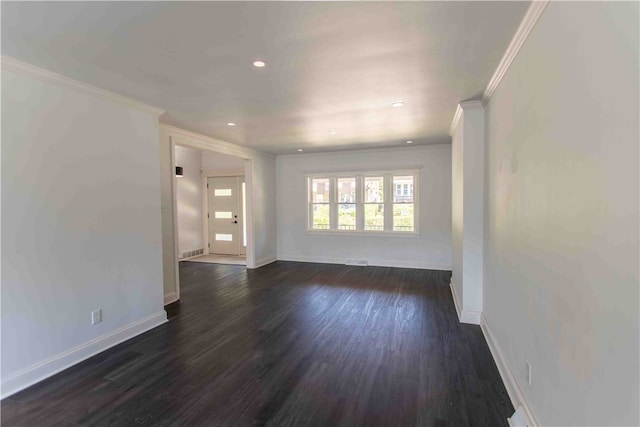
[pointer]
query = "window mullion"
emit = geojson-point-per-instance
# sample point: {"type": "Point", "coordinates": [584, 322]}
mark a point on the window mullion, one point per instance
{"type": "Point", "coordinates": [359, 203]}
{"type": "Point", "coordinates": [310, 197]}
{"type": "Point", "coordinates": [309, 204]}
{"type": "Point", "coordinates": [333, 205]}
{"type": "Point", "coordinates": [388, 205]}
{"type": "Point", "coordinates": [416, 202]}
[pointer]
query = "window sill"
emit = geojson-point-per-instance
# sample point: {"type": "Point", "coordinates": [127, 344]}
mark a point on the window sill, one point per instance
{"type": "Point", "coordinates": [406, 234]}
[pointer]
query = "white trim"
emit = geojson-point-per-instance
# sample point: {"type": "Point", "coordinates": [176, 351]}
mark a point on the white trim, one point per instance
{"type": "Point", "coordinates": [465, 105]}
{"type": "Point", "coordinates": [524, 29]}
{"type": "Point", "coordinates": [370, 262]}
{"type": "Point", "coordinates": [509, 380]}
{"type": "Point", "coordinates": [174, 207]}
{"type": "Point", "coordinates": [39, 371]}
{"type": "Point", "coordinates": [251, 228]}
{"type": "Point", "coordinates": [464, 316]}
{"type": "Point", "coordinates": [16, 66]}
{"type": "Point", "coordinates": [264, 261]}
{"type": "Point", "coordinates": [474, 104]}
{"type": "Point", "coordinates": [456, 119]}
{"type": "Point", "coordinates": [456, 300]}
{"type": "Point", "coordinates": [519, 418]}
{"type": "Point", "coordinates": [528, 22]}
{"type": "Point", "coordinates": [194, 140]}
{"type": "Point", "coordinates": [348, 173]}
{"type": "Point", "coordinates": [222, 173]}
{"type": "Point", "coordinates": [359, 151]}
{"type": "Point", "coordinates": [172, 297]}
{"type": "Point", "coordinates": [244, 240]}
{"type": "Point", "coordinates": [205, 213]}
{"type": "Point", "coordinates": [356, 233]}
{"type": "Point", "coordinates": [471, 317]}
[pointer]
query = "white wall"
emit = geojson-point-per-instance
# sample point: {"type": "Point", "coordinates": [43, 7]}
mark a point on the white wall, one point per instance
{"type": "Point", "coordinates": [457, 212]}
{"type": "Point", "coordinates": [189, 197]}
{"type": "Point", "coordinates": [468, 164]}
{"type": "Point", "coordinates": [561, 284]}
{"type": "Point", "coordinates": [474, 182]}
{"type": "Point", "coordinates": [212, 161]}
{"type": "Point", "coordinates": [80, 226]}
{"type": "Point", "coordinates": [262, 181]}
{"type": "Point", "coordinates": [432, 249]}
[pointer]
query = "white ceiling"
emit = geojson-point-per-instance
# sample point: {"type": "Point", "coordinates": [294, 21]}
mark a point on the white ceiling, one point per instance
{"type": "Point", "coordinates": [330, 66]}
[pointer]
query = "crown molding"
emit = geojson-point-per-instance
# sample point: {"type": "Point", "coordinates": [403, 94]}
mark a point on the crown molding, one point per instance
{"type": "Point", "coordinates": [385, 149]}
{"type": "Point", "coordinates": [204, 142]}
{"type": "Point", "coordinates": [19, 67]}
{"type": "Point", "coordinates": [464, 105]}
{"type": "Point", "coordinates": [528, 22]}
{"type": "Point", "coordinates": [524, 29]}
{"type": "Point", "coordinates": [474, 104]}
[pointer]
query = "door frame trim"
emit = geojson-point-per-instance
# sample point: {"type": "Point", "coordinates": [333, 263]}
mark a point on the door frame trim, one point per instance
{"type": "Point", "coordinates": [174, 207]}
{"type": "Point", "coordinates": [205, 201]}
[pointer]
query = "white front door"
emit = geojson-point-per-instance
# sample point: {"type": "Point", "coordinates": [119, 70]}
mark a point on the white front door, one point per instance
{"type": "Point", "coordinates": [225, 215]}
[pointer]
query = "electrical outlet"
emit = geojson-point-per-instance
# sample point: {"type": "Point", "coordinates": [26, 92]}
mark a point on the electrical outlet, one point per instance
{"type": "Point", "coordinates": [96, 317]}
{"type": "Point", "coordinates": [528, 372]}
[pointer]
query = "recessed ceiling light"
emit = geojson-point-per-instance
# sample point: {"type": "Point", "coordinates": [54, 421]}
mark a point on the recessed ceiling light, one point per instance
{"type": "Point", "coordinates": [259, 64]}
{"type": "Point", "coordinates": [409, 142]}
{"type": "Point", "coordinates": [397, 104]}
{"type": "Point", "coordinates": [231, 124]}
{"type": "Point", "coordinates": [300, 149]}
{"type": "Point", "coordinates": [333, 132]}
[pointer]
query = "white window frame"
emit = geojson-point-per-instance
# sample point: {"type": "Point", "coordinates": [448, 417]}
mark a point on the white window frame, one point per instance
{"type": "Point", "coordinates": [388, 193]}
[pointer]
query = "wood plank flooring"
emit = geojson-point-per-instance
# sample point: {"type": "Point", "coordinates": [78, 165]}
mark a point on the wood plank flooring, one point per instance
{"type": "Point", "coordinates": [289, 344]}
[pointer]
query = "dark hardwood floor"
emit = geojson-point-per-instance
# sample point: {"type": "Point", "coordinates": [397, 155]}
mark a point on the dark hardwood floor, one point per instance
{"type": "Point", "coordinates": [289, 344]}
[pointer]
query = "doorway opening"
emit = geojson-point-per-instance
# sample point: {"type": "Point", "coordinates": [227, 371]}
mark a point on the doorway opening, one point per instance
{"type": "Point", "coordinates": [212, 207]}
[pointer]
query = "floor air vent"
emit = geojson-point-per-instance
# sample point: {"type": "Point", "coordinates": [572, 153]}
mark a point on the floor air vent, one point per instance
{"type": "Point", "coordinates": [360, 262]}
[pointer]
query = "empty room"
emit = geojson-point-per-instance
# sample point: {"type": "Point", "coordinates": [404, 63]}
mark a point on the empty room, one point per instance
{"type": "Point", "coordinates": [320, 213]}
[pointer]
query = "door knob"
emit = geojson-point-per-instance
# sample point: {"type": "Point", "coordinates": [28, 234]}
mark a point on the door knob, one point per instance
{"type": "Point", "coordinates": [235, 222]}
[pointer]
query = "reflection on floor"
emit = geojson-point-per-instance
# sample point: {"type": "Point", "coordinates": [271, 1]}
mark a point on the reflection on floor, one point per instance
{"type": "Point", "coordinates": [220, 259]}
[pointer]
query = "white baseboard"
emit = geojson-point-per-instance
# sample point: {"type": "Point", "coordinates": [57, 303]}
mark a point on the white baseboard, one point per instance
{"type": "Point", "coordinates": [172, 297]}
{"type": "Point", "coordinates": [42, 370]}
{"type": "Point", "coordinates": [456, 301]}
{"type": "Point", "coordinates": [371, 262]}
{"type": "Point", "coordinates": [265, 261]}
{"type": "Point", "coordinates": [471, 317]}
{"type": "Point", "coordinates": [513, 388]}
{"type": "Point", "coordinates": [464, 316]}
